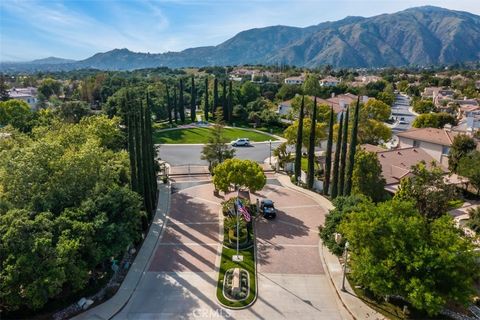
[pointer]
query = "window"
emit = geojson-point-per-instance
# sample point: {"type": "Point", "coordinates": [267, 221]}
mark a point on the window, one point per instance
{"type": "Point", "coordinates": [445, 150]}
{"type": "Point", "coordinates": [416, 144]}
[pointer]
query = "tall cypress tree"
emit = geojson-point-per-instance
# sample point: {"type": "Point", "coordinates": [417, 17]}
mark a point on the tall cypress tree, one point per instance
{"type": "Point", "coordinates": [328, 156]}
{"type": "Point", "coordinates": [169, 105]}
{"type": "Point", "coordinates": [343, 155]}
{"type": "Point", "coordinates": [175, 112]}
{"type": "Point", "coordinates": [336, 160]}
{"type": "Point", "coordinates": [138, 150]}
{"type": "Point", "coordinates": [181, 104]}
{"type": "Point", "coordinates": [224, 101]}
{"type": "Point", "coordinates": [147, 193]}
{"type": "Point", "coordinates": [230, 101]}
{"type": "Point", "coordinates": [215, 96]}
{"type": "Point", "coordinates": [206, 99]}
{"type": "Point", "coordinates": [150, 154]}
{"type": "Point", "coordinates": [352, 151]}
{"type": "Point", "coordinates": [131, 139]}
{"type": "Point", "coordinates": [193, 94]}
{"type": "Point", "coordinates": [311, 147]}
{"type": "Point", "coordinates": [298, 144]}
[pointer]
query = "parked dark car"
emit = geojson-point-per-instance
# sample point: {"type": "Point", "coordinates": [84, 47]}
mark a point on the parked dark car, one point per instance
{"type": "Point", "coordinates": [268, 209]}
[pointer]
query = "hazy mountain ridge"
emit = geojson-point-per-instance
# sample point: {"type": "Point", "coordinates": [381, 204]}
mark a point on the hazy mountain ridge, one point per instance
{"type": "Point", "coordinates": [417, 36]}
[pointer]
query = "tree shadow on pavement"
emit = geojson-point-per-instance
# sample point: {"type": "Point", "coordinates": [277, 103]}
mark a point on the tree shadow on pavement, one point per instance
{"type": "Point", "coordinates": [283, 226]}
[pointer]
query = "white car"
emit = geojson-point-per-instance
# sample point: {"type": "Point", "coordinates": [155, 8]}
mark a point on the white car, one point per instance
{"type": "Point", "coordinates": [240, 142]}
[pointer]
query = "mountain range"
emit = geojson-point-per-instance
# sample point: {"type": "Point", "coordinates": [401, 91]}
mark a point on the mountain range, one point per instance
{"type": "Point", "coordinates": [418, 36]}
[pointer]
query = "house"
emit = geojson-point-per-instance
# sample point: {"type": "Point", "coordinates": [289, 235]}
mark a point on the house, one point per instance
{"type": "Point", "coordinates": [367, 79]}
{"type": "Point", "coordinates": [342, 101]}
{"type": "Point", "coordinates": [284, 107]}
{"type": "Point", "coordinates": [433, 92]}
{"type": "Point", "coordinates": [435, 142]}
{"type": "Point", "coordinates": [397, 164]}
{"type": "Point", "coordinates": [329, 82]}
{"type": "Point", "coordinates": [29, 95]}
{"type": "Point", "coordinates": [295, 80]}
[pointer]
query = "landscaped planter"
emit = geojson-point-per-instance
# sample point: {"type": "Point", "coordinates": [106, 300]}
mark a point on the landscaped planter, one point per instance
{"type": "Point", "coordinates": [244, 282]}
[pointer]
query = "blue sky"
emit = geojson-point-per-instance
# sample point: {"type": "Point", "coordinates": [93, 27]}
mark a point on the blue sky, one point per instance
{"type": "Point", "coordinates": [78, 29]}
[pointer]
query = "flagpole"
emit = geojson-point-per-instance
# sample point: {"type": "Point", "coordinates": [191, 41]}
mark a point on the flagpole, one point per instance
{"type": "Point", "coordinates": [238, 234]}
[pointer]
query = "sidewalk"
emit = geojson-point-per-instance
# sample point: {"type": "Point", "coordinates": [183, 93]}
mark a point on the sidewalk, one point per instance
{"type": "Point", "coordinates": [111, 307]}
{"type": "Point", "coordinates": [356, 307]}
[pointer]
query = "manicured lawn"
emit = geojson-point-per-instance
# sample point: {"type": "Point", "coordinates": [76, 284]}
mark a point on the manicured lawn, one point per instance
{"type": "Point", "coordinates": [201, 135]}
{"type": "Point", "coordinates": [248, 264]}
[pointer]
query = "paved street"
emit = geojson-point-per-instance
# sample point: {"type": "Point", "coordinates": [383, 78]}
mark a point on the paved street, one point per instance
{"type": "Point", "coordinates": [181, 277]}
{"type": "Point", "coordinates": [190, 154]}
{"type": "Point", "coordinates": [401, 113]}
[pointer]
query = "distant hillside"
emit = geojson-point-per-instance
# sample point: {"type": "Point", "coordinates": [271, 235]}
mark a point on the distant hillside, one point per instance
{"type": "Point", "coordinates": [417, 36]}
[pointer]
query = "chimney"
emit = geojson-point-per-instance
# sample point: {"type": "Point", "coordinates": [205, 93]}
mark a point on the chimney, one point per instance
{"type": "Point", "coordinates": [333, 94]}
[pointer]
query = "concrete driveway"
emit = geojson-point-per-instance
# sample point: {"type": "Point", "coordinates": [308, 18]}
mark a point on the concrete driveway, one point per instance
{"type": "Point", "coordinates": [181, 278]}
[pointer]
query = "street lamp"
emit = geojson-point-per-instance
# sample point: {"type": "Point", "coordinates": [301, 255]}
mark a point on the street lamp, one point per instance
{"type": "Point", "coordinates": [270, 159]}
{"type": "Point", "coordinates": [345, 267]}
{"type": "Point", "coordinates": [338, 240]}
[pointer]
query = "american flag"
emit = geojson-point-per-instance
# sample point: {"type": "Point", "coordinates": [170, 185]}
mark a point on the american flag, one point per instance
{"type": "Point", "coordinates": [241, 208]}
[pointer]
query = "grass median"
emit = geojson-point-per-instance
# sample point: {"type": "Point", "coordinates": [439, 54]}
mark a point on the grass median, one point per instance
{"type": "Point", "coordinates": [248, 264]}
{"type": "Point", "coordinates": [201, 135]}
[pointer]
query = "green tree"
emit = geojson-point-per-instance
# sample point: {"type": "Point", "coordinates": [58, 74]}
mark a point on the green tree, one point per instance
{"type": "Point", "coordinates": [16, 113]}
{"type": "Point", "coordinates": [181, 103]}
{"type": "Point", "coordinates": [328, 155]}
{"type": "Point", "coordinates": [403, 86]}
{"type": "Point", "coordinates": [311, 149]}
{"type": "Point", "coordinates": [336, 160]}
{"type": "Point", "coordinates": [73, 111]}
{"type": "Point", "coordinates": [424, 106]}
{"type": "Point", "coordinates": [375, 109]}
{"type": "Point", "coordinates": [461, 146]}
{"type": "Point", "coordinates": [352, 150]}
{"type": "Point", "coordinates": [298, 143]}
{"type": "Point", "coordinates": [434, 120]}
{"type": "Point", "coordinates": [394, 251]}
{"type": "Point", "coordinates": [249, 92]}
{"type": "Point", "coordinates": [4, 96]}
{"type": "Point", "coordinates": [193, 104]}
{"type": "Point", "coordinates": [215, 96]}
{"type": "Point", "coordinates": [217, 149]}
{"type": "Point", "coordinates": [224, 101]}
{"type": "Point", "coordinates": [428, 190]}
{"type": "Point", "coordinates": [206, 106]}
{"type": "Point", "coordinates": [474, 221]}
{"type": "Point", "coordinates": [31, 272]}
{"type": "Point", "coordinates": [169, 104]}
{"type": "Point", "coordinates": [367, 176]}
{"type": "Point", "coordinates": [49, 87]}
{"type": "Point", "coordinates": [342, 206]}
{"type": "Point", "coordinates": [240, 173]}
{"type": "Point", "coordinates": [288, 91]}
{"type": "Point", "coordinates": [175, 107]}
{"type": "Point", "coordinates": [282, 154]}
{"type": "Point", "coordinates": [469, 167]}
{"type": "Point", "coordinates": [311, 86]}
{"type": "Point", "coordinates": [343, 155]}
{"type": "Point", "coordinates": [230, 101]}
